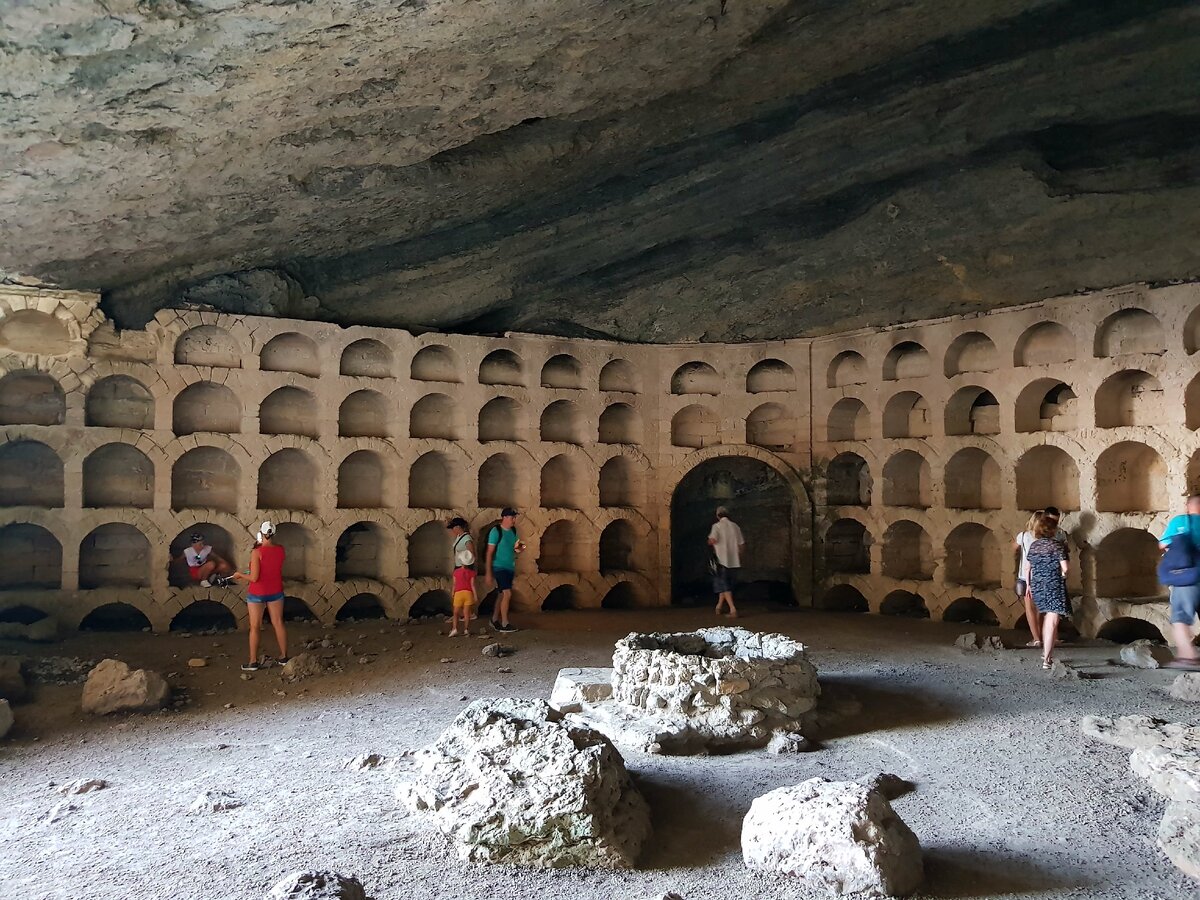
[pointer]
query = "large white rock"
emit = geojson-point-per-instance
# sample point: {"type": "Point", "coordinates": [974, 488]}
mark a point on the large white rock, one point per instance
{"type": "Point", "coordinates": [317, 885]}
{"type": "Point", "coordinates": [1179, 836]}
{"type": "Point", "coordinates": [514, 781]}
{"type": "Point", "coordinates": [6, 718]}
{"type": "Point", "coordinates": [577, 686]}
{"type": "Point", "coordinates": [839, 836]}
{"type": "Point", "coordinates": [113, 687]}
{"type": "Point", "coordinates": [1187, 687]}
{"type": "Point", "coordinates": [1172, 768]}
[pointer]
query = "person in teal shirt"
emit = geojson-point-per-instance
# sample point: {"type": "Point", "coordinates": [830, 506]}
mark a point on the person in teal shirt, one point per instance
{"type": "Point", "coordinates": [503, 545]}
{"type": "Point", "coordinates": [1185, 599]}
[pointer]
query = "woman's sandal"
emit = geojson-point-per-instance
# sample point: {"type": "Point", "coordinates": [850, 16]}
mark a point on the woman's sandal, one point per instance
{"type": "Point", "coordinates": [1047, 662]}
{"type": "Point", "coordinates": [1034, 644]}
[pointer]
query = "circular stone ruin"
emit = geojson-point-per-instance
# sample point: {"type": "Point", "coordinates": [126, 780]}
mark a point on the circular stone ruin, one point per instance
{"type": "Point", "coordinates": [721, 686]}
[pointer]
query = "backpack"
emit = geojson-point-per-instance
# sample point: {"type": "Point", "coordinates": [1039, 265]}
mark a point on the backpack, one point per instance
{"type": "Point", "coordinates": [1180, 565]}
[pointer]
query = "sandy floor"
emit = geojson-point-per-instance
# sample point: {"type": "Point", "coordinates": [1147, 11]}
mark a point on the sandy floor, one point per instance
{"type": "Point", "coordinates": [1010, 799]}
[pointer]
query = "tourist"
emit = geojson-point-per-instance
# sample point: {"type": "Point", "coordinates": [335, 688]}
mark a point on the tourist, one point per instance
{"type": "Point", "coordinates": [1045, 572]}
{"type": "Point", "coordinates": [205, 566]}
{"type": "Point", "coordinates": [728, 545]}
{"type": "Point", "coordinates": [1021, 543]}
{"type": "Point", "coordinates": [503, 548]}
{"type": "Point", "coordinates": [265, 592]}
{"type": "Point", "coordinates": [1180, 571]}
{"type": "Point", "coordinates": [464, 599]}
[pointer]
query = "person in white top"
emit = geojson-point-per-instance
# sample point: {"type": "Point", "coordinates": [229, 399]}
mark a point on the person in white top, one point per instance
{"type": "Point", "coordinates": [1021, 543]}
{"type": "Point", "coordinates": [728, 545]}
{"type": "Point", "coordinates": [203, 562]}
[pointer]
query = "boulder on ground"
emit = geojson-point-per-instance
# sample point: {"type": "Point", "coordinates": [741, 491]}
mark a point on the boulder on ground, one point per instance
{"type": "Point", "coordinates": [42, 631]}
{"type": "Point", "coordinates": [1187, 687]}
{"type": "Point", "coordinates": [967, 641]}
{"type": "Point", "coordinates": [838, 836]}
{"type": "Point", "coordinates": [214, 801]}
{"type": "Point", "coordinates": [12, 681]}
{"type": "Point", "coordinates": [579, 685]}
{"type": "Point", "coordinates": [1141, 654]}
{"type": "Point", "coordinates": [305, 665]}
{"type": "Point", "coordinates": [317, 885]}
{"type": "Point", "coordinates": [496, 650]}
{"type": "Point", "coordinates": [514, 781]}
{"type": "Point", "coordinates": [6, 718]}
{"type": "Point", "coordinates": [784, 742]}
{"type": "Point", "coordinates": [113, 687]}
{"type": "Point", "coordinates": [1179, 836]}
{"type": "Point", "coordinates": [891, 786]}
{"type": "Point", "coordinates": [1172, 768]}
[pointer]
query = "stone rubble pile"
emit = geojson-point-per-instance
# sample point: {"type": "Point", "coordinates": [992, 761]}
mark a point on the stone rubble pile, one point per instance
{"type": "Point", "coordinates": [113, 687]}
{"type": "Point", "coordinates": [317, 885]}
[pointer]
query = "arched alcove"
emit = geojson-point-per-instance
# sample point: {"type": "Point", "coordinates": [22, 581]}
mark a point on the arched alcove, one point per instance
{"type": "Point", "coordinates": [848, 481]}
{"type": "Point", "coordinates": [205, 478]}
{"type": "Point", "coordinates": [849, 420]}
{"type": "Point", "coordinates": [367, 358]}
{"type": "Point", "coordinates": [291, 352]}
{"type": "Point", "coordinates": [972, 556]}
{"type": "Point", "coordinates": [1191, 404]}
{"type": "Point", "coordinates": [1131, 477]}
{"type": "Point", "coordinates": [287, 479]}
{"type": "Point", "coordinates": [289, 410]}
{"type": "Point", "coordinates": [114, 555]}
{"type": "Point", "coordinates": [619, 376]}
{"type": "Point", "coordinates": [848, 548]}
{"type": "Point", "coordinates": [208, 345]}
{"type": "Point", "coordinates": [433, 416]}
{"type": "Point", "coordinates": [907, 359]}
{"type": "Point", "coordinates": [296, 541]}
{"type": "Point", "coordinates": [695, 427]}
{"type": "Point", "coordinates": [696, 378]}
{"type": "Point", "coordinates": [1127, 565]}
{"type": "Point", "coordinates": [359, 552]}
{"type": "Point", "coordinates": [618, 548]}
{"type": "Point", "coordinates": [1126, 630]}
{"type": "Point", "coordinates": [499, 483]}
{"type": "Point", "coordinates": [907, 552]}
{"type": "Point", "coordinates": [905, 605]}
{"type": "Point", "coordinates": [621, 596]}
{"type": "Point", "coordinates": [429, 552]}
{"type": "Point", "coordinates": [1044, 344]}
{"type": "Point", "coordinates": [1046, 405]}
{"type": "Point", "coordinates": [115, 617]}
{"type": "Point", "coordinates": [30, 558]}
{"type": "Point", "coordinates": [363, 481]}
{"type": "Point", "coordinates": [432, 483]}
{"type": "Point", "coordinates": [972, 480]}
{"type": "Point", "coordinates": [563, 548]}
{"type": "Point", "coordinates": [620, 424]}
{"type": "Point", "coordinates": [118, 475]}
{"type": "Point", "coordinates": [119, 402]}
{"type": "Point", "coordinates": [906, 481]}
{"type": "Point", "coordinates": [561, 598]}
{"type": "Point", "coordinates": [847, 368]}
{"type": "Point", "coordinates": [1130, 331]}
{"type": "Point", "coordinates": [214, 535]}
{"type": "Point", "coordinates": [621, 484]}
{"type": "Point", "coordinates": [563, 484]}
{"type": "Point", "coordinates": [1193, 474]}
{"type": "Point", "coordinates": [31, 474]}
{"type": "Point", "coordinates": [564, 372]}
{"type": "Point", "coordinates": [501, 420]}
{"type": "Point", "coordinates": [907, 416]}
{"type": "Point", "coordinates": [436, 363]}
{"type": "Point", "coordinates": [208, 407]}
{"type": "Point", "coordinates": [770, 375]}
{"type": "Point", "coordinates": [430, 605]}
{"type": "Point", "coordinates": [843, 598]}
{"type": "Point", "coordinates": [361, 607]}
{"type": "Point", "coordinates": [1130, 398]}
{"type": "Point", "coordinates": [502, 367]}
{"type": "Point", "coordinates": [972, 410]}
{"type": "Point", "coordinates": [296, 610]}
{"type": "Point", "coordinates": [772, 427]}
{"type": "Point", "coordinates": [31, 398]}
{"type": "Point", "coordinates": [364, 414]}
{"type": "Point", "coordinates": [31, 331]}
{"type": "Point", "coordinates": [561, 423]}
{"type": "Point", "coordinates": [1191, 332]}
{"type": "Point", "coordinates": [204, 616]}
{"type": "Point", "coordinates": [971, 352]}
{"type": "Point", "coordinates": [970, 611]}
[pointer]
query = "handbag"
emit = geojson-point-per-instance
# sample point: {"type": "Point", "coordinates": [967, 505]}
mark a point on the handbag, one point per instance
{"type": "Point", "coordinates": [1179, 566]}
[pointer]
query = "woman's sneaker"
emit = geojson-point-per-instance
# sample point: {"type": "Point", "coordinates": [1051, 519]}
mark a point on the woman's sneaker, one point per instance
{"type": "Point", "coordinates": [249, 667]}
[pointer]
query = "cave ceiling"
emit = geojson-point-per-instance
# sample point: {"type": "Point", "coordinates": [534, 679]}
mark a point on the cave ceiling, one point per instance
{"type": "Point", "coordinates": [637, 169]}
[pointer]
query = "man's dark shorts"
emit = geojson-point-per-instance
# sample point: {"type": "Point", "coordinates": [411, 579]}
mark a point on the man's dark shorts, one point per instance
{"type": "Point", "coordinates": [724, 579]}
{"type": "Point", "coordinates": [504, 578]}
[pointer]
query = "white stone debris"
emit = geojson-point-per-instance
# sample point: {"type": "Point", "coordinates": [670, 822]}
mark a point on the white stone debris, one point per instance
{"type": "Point", "coordinates": [1187, 687]}
{"type": "Point", "coordinates": [576, 686]}
{"type": "Point", "coordinates": [197, 662]}
{"type": "Point", "coordinates": [306, 665]}
{"type": "Point", "coordinates": [113, 687]}
{"type": "Point", "coordinates": [1140, 654]}
{"type": "Point", "coordinates": [514, 781]}
{"type": "Point", "coordinates": [317, 885]}
{"type": "Point", "coordinates": [497, 650]}
{"type": "Point", "coordinates": [784, 742]}
{"type": "Point", "coordinates": [83, 786]}
{"type": "Point", "coordinates": [214, 801]}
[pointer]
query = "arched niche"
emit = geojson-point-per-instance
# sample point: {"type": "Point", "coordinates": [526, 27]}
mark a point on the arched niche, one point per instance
{"type": "Point", "coordinates": [31, 474]}
{"type": "Point", "coordinates": [363, 481]}
{"type": "Point", "coordinates": [1131, 477]}
{"type": "Point", "coordinates": [619, 376]}
{"type": "Point", "coordinates": [214, 535]}
{"type": "Point", "coordinates": [361, 607]}
{"type": "Point", "coordinates": [848, 548]}
{"type": "Point", "coordinates": [114, 555]}
{"type": "Point", "coordinates": [561, 423]}
{"type": "Point", "coordinates": [297, 543]}
{"type": "Point", "coordinates": [431, 604]}
{"type": "Point", "coordinates": [563, 484]}
{"type": "Point", "coordinates": [1191, 404]}
{"type": "Point", "coordinates": [501, 420]}
{"type": "Point", "coordinates": [848, 481]}
{"type": "Point", "coordinates": [502, 367]}
{"type": "Point", "coordinates": [770, 375]}
{"type": "Point", "coordinates": [31, 331]}
{"type": "Point", "coordinates": [906, 481]}
{"type": "Point", "coordinates": [1193, 474]}
{"type": "Point", "coordinates": [296, 610]}
{"type": "Point", "coordinates": [118, 475]}
{"type": "Point", "coordinates": [907, 416]}
{"type": "Point", "coordinates": [970, 611]}
{"type": "Point", "coordinates": [971, 352]}
{"type": "Point", "coordinates": [364, 414]}
{"type": "Point", "coordinates": [429, 552]}
{"type": "Point", "coordinates": [204, 616]}
{"type": "Point", "coordinates": [843, 598]}
{"type": "Point", "coordinates": [1126, 630]}
{"type": "Point", "coordinates": [905, 605]}
{"type": "Point", "coordinates": [115, 617]}
{"type": "Point", "coordinates": [847, 368]}
{"type": "Point", "coordinates": [206, 407]}
{"type": "Point", "coordinates": [561, 598]}
{"type": "Point", "coordinates": [1047, 477]}
{"type": "Point", "coordinates": [31, 398]}
{"type": "Point", "coordinates": [621, 484]}
{"type": "Point", "coordinates": [205, 478]}
{"type": "Point", "coordinates": [208, 345]}
{"type": "Point", "coordinates": [289, 410]}
{"type": "Point", "coordinates": [432, 483]}
{"type": "Point", "coordinates": [972, 556]}
{"type": "Point", "coordinates": [359, 552]}
{"type": "Point", "coordinates": [1130, 398]}
{"type": "Point", "coordinates": [695, 426]}
{"type": "Point", "coordinates": [564, 372]}
{"type": "Point", "coordinates": [436, 363]}
{"type": "Point", "coordinates": [1044, 344]}
{"type": "Point", "coordinates": [433, 416]}
{"type": "Point", "coordinates": [973, 480]}
{"type": "Point", "coordinates": [563, 548]}
{"type": "Point", "coordinates": [1130, 331]}
{"type": "Point", "coordinates": [907, 359]}
{"type": "Point", "coordinates": [696, 378]}
{"type": "Point", "coordinates": [1046, 405]}
{"type": "Point", "coordinates": [620, 424]}
{"type": "Point", "coordinates": [119, 401]}
{"type": "Point", "coordinates": [499, 483]}
{"type": "Point", "coordinates": [1191, 332]}
{"type": "Point", "coordinates": [907, 552]}
{"type": "Point", "coordinates": [291, 352]}
{"type": "Point", "coordinates": [30, 558]}
{"type": "Point", "coordinates": [367, 358]}
{"type": "Point", "coordinates": [1127, 565]}
{"type": "Point", "coordinates": [619, 548]}
{"type": "Point", "coordinates": [772, 427]}
{"type": "Point", "coordinates": [972, 410]}
{"type": "Point", "coordinates": [621, 596]}
{"type": "Point", "coordinates": [287, 479]}
{"type": "Point", "coordinates": [849, 420]}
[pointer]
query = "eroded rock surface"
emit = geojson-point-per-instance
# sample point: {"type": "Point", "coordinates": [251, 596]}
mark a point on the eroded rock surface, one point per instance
{"type": "Point", "coordinates": [317, 885]}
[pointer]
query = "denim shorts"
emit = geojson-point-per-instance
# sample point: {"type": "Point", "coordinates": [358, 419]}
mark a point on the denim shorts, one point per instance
{"type": "Point", "coordinates": [504, 578]}
{"type": "Point", "coordinates": [724, 579]}
{"type": "Point", "coordinates": [270, 598]}
{"type": "Point", "coordinates": [1185, 604]}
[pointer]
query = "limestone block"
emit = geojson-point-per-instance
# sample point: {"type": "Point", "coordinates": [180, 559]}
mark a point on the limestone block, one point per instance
{"type": "Point", "coordinates": [113, 687]}
{"type": "Point", "coordinates": [576, 686]}
{"type": "Point", "coordinates": [1187, 687]}
{"type": "Point", "coordinates": [1179, 836]}
{"type": "Point", "coordinates": [1172, 768]}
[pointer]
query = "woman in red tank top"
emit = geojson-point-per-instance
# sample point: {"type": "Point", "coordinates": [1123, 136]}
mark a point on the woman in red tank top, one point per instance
{"type": "Point", "coordinates": [265, 593]}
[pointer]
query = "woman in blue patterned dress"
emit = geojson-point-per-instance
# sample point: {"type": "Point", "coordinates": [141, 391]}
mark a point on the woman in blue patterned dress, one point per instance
{"type": "Point", "coordinates": [1046, 575]}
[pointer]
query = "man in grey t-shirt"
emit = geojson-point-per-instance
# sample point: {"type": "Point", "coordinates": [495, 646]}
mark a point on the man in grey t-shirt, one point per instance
{"type": "Point", "coordinates": [728, 545]}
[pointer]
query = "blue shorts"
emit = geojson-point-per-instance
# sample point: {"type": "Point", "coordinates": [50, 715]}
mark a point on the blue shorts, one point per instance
{"type": "Point", "coordinates": [1185, 604]}
{"type": "Point", "coordinates": [269, 598]}
{"type": "Point", "coordinates": [724, 579]}
{"type": "Point", "coordinates": [504, 578]}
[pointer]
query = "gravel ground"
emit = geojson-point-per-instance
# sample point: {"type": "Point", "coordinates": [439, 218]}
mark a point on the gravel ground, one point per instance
{"type": "Point", "coordinates": [1010, 800]}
